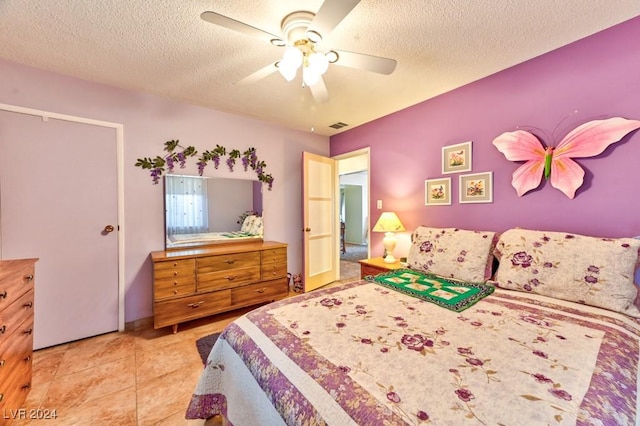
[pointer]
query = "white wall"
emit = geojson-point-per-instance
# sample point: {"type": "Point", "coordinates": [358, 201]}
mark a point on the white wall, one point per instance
{"type": "Point", "coordinates": [148, 122]}
{"type": "Point", "coordinates": [228, 199]}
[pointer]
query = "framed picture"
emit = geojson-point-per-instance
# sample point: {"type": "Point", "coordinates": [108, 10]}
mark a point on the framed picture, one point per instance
{"type": "Point", "coordinates": [476, 188]}
{"type": "Point", "coordinates": [437, 192]}
{"type": "Point", "coordinates": [456, 158]}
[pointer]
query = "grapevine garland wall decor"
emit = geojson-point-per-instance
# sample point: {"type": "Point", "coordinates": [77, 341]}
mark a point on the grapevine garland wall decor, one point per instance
{"type": "Point", "coordinates": [179, 154]}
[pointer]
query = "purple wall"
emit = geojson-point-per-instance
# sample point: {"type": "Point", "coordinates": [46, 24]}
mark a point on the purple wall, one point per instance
{"type": "Point", "coordinates": [599, 77]}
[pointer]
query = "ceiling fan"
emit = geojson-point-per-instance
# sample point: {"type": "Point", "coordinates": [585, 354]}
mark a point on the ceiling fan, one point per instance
{"type": "Point", "coordinates": [301, 32]}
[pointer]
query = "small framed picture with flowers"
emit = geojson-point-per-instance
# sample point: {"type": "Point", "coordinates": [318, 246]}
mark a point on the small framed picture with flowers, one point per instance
{"type": "Point", "coordinates": [437, 192]}
{"type": "Point", "coordinates": [456, 158]}
{"type": "Point", "coordinates": [476, 188]}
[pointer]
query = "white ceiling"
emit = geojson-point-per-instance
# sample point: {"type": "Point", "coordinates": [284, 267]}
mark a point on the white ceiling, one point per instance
{"type": "Point", "coordinates": [163, 47]}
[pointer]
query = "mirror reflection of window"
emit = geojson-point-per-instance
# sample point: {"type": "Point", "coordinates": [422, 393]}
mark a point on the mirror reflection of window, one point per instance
{"type": "Point", "coordinates": [186, 205]}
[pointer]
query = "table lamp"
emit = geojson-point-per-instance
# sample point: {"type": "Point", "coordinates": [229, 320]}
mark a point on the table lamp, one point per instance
{"type": "Point", "coordinates": [388, 223]}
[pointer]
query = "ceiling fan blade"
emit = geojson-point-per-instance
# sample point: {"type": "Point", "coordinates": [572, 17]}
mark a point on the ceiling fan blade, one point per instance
{"type": "Point", "coordinates": [331, 13]}
{"type": "Point", "coordinates": [232, 24]}
{"type": "Point", "coordinates": [319, 91]}
{"type": "Point", "coordinates": [258, 75]}
{"type": "Point", "coordinates": [366, 62]}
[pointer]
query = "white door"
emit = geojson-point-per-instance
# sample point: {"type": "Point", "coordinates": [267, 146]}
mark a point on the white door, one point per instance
{"type": "Point", "coordinates": [320, 224]}
{"type": "Point", "coordinates": [58, 197]}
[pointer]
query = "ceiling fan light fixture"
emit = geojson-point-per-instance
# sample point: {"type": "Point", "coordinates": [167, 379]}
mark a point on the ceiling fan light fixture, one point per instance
{"type": "Point", "coordinates": [318, 63]}
{"type": "Point", "coordinates": [277, 42]}
{"type": "Point", "coordinates": [286, 70]}
{"type": "Point", "coordinates": [310, 77]}
{"type": "Point", "coordinates": [292, 57]}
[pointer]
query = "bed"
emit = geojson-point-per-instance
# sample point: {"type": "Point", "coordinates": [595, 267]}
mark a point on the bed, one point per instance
{"type": "Point", "coordinates": [251, 229]}
{"type": "Point", "coordinates": [551, 336]}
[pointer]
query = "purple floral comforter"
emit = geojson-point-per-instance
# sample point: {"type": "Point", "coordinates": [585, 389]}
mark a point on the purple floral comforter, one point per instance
{"type": "Point", "coordinates": [362, 354]}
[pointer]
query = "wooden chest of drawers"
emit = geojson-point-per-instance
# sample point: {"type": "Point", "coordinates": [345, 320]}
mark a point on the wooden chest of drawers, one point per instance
{"type": "Point", "coordinates": [194, 283]}
{"type": "Point", "coordinates": [16, 331]}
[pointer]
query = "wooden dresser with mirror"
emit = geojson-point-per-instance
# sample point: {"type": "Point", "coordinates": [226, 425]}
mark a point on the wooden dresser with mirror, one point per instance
{"type": "Point", "coordinates": [196, 282]}
{"type": "Point", "coordinates": [215, 258]}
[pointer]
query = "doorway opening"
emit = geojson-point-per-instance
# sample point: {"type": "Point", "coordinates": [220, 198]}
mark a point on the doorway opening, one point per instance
{"type": "Point", "coordinates": [353, 211]}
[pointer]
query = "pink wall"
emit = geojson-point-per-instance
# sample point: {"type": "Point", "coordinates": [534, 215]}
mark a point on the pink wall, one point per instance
{"type": "Point", "coordinates": [148, 122]}
{"type": "Point", "coordinates": [597, 76]}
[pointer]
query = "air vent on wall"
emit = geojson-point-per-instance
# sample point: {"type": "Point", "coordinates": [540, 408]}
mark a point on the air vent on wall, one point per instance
{"type": "Point", "coordinates": [339, 125]}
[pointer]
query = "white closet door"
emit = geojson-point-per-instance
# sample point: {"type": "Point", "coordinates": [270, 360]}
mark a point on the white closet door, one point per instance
{"type": "Point", "coordinates": [58, 193]}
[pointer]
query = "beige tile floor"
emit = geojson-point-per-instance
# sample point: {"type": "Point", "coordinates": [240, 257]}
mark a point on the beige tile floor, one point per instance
{"type": "Point", "coordinates": [137, 377]}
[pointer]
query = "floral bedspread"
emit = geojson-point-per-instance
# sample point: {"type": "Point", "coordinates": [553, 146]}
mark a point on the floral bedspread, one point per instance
{"type": "Point", "coordinates": [364, 354]}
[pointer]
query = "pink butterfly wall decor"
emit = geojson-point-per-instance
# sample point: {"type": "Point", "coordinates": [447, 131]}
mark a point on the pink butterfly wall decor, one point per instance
{"type": "Point", "coordinates": [587, 140]}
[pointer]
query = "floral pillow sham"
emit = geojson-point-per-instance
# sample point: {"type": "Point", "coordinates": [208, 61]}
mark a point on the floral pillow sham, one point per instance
{"type": "Point", "coordinates": [453, 253]}
{"type": "Point", "coordinates": [588, 270]}
{"type": "Point", "coordinates": [252, 224]}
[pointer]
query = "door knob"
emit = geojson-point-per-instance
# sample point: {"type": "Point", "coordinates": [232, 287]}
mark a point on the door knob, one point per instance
{"type": "Point", "coordinates": [307, 230]}
{"type": "Point", "coordinates": [108, 229]}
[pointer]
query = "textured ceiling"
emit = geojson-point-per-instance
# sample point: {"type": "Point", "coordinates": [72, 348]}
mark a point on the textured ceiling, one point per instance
{"type": "Point", "coordinates": [163, 47]}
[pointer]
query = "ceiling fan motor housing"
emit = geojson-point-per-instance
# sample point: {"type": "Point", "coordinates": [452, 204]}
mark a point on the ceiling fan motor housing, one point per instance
{"type": "Point", "coordinates": [294, 27]}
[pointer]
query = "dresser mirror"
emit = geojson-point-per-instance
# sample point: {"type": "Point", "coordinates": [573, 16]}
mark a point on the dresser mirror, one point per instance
{"type": "Point", "coordinates": [206, 210]}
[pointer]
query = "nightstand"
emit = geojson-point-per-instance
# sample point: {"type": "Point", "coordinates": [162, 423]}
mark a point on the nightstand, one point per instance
{"type": "Point", "coordinates": [377, 265]}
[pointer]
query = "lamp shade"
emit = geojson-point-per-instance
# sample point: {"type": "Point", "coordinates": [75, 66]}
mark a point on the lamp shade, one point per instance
{"type": "Point", "coordinates": [388, 222]}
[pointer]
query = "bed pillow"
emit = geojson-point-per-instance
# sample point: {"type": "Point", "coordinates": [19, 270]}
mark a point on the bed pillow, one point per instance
{"type": "Point", "coordinates": [453, 253]}
{"type": "Point", "coordinates": [252, 225]}
{"type": "Point", "coordinates": [258, 227]}
{"type": "Point", "coordinates": [588, 270]}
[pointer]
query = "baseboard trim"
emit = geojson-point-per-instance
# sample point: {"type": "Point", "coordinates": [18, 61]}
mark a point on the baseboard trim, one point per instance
{"type": "Point", "coordinates": [139, 324]}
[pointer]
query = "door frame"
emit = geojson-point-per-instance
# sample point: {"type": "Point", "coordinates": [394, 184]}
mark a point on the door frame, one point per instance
{"type": "Point", "coordinates": [366, 152]}
{"type": "Point", "coordinates": [119, 128]}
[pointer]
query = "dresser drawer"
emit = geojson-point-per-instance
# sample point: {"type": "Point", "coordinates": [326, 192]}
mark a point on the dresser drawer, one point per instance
{"type": "Point", "coordinates": [174, 269]}
{"type": "Point", "coordinates": [260, 292]}
{"type": "Point", "coordinates": [226, 262]}
{"type": "Point", "coordinates": [276, 255]}
{"type": "Point", "coordinates": [16, 366]}
{"type": "Point", "coordinates": [170, 312]}
{"type": "Point", "coordinates": [217, 280]}
{"type": "Point", "coordinates": [272, 271]}
{"type": "Point", "coordinates": [175, 264]}
{"type": "Point", "coordinates": [15, 280]}
{"type": "Point", "coordinates": [15, 314]}
{"type": "Point", "coordinates": [177, 287]}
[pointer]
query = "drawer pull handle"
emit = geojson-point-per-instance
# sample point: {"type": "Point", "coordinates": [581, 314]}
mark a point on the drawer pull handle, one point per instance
{"type": "Point", "coordinates": [175, 264]}
{"type": "Point", "coordinates": [230, 277]}
{"type": "Point", "coordinates": [260, 290]}
{"type": "Point", "coordinates": [175, 291]}
{"type": "Point", "coordinates": [195, 305]}
{"type": "Point", "coordinates": [231, 261]}
{"type": "Point", "coordinates": [3, 295]}
{"type": "Point", "coordinates": [29, 277]}
{"type": "Point", "coordinates": [27, 358]}
{"type": "Point", "coordinates": [26, 386]}
{"type": "Point", "coordinates": [3, 329]}
{"type": "Point", "coordinates": [1, 397]}
{"type": "Point", "coordinates": [2, 361]}
{"type": "Point", "coordinates": [28, 305]}
{"type": "Point", "coordinates": [29, 331]}
{"type": "Point", "coordinates": [175, 273]}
